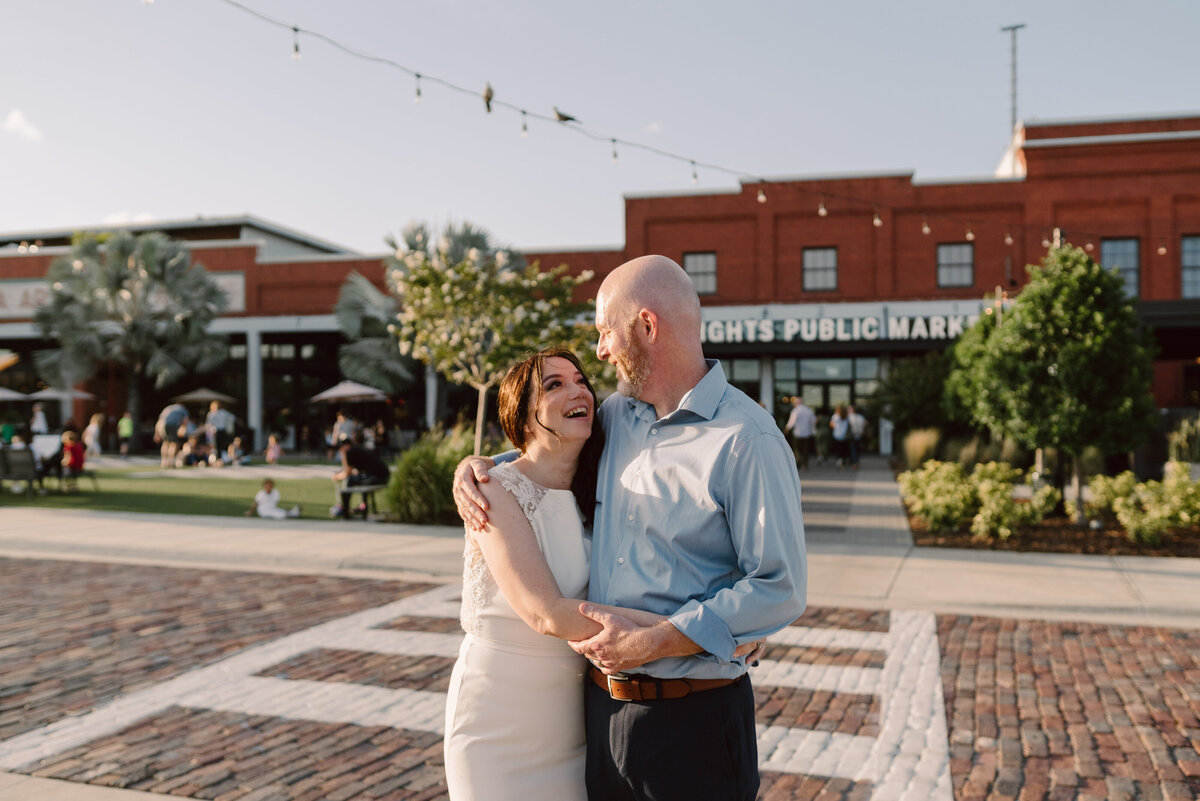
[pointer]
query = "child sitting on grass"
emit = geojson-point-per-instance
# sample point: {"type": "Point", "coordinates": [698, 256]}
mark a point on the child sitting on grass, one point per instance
{"type": "Point", "coordinates": [266, 503]}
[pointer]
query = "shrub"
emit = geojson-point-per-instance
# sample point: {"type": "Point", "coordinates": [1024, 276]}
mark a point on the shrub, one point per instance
{"type": "Point", "coordinates": [1148, 510]}
{"type": "Point", "coordinates": [420, 488]}
{"type": "Point", "coordinates": [920, 446]}
{"type": "Point", "coordinates": [999, 512]}
{"type": "Point", "coordinates": [940, 494]}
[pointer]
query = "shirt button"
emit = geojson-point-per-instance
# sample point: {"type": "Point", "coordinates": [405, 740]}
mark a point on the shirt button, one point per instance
{"type": "Point", "coordinates": [631, 518]}
{"type": "Point", "coordinates": [620, 560]}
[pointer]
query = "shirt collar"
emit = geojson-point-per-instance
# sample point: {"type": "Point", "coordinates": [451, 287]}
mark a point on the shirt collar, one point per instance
{"type": "Point", "coordinates": [702, 399]}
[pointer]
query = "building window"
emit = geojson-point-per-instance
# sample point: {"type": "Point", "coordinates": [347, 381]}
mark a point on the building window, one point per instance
{"type": "Point", "coordinates": [1191, 266]}
{"type": "Point", "coordinates": [1122, 254]}
{"type": "Point", "coordinates": [702, 267]}
{"type": "Point", "coordinates": [956, 264]}
{"type": "Point", "coordinates": [820, 269]}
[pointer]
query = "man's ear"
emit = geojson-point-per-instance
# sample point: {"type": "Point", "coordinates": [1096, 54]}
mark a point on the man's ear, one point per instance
{"type": "Point", "coordinates": [648, 324]}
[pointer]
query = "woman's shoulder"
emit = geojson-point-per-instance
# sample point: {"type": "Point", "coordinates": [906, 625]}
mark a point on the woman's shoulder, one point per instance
{"type": "Point", "coordinates": [511, 481]}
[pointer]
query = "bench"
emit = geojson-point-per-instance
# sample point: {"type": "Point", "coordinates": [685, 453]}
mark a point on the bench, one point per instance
{"type": "Point", "coordinates": [16, 464]}
{"type": "Point", "coordinates": [367, 491]}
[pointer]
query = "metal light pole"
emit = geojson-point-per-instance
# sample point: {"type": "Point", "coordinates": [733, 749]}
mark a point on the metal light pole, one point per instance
{"type": "Point", "coordinates": [1012, 31]}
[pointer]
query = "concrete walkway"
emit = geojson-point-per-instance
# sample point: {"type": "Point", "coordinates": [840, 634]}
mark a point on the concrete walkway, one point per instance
{"type": "Point", "coordinates": [860, 555]}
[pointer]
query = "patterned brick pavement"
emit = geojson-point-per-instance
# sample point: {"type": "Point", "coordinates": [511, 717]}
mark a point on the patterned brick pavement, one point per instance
{"type": "Point", "coordinates": [256, 687]}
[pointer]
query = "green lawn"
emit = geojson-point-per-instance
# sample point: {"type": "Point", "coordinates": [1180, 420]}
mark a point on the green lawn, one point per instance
{"type": "Point", "coordinates": [121, 492]}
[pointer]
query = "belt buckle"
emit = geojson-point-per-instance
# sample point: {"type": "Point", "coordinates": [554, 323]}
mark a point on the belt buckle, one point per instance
{"type": "Point", "coordinates": [622, 679]}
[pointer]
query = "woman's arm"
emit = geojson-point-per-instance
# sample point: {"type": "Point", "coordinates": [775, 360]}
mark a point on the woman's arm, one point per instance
{"type": "Point", "coordinates": [512, 554]}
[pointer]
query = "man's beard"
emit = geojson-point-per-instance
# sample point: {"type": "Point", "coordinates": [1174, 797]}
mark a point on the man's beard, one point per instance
{"type": "Point", "coordinates": [633, 365]}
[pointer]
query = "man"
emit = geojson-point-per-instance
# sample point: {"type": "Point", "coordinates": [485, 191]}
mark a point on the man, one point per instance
{"type": "Point", "coordinates": [858, 429]}
{"type": "Point", "coordinates": [801, 427]}
{"type": "Point", "coordinates": [361, 467]}
{"type": "Point", "coordinates": [171, 430]}
{"type": "Point", "coordinates": [698, 518]}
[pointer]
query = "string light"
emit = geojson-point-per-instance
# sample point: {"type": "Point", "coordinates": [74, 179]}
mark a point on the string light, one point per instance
{"type": "Point", "coordinates": [23, 247]}
{"type": "Point", "coordinates": [1162, 249]}
{"type": "Point", "coordinates": [743, 177]}
{"type": "Point", "coordinates": [1089, 247]}
{"type": "Point", "coordinates": [1008, 239]}
{"type": "Point", "coordinates": [34, 247]}
{"type": "Point", "coordinates": [970, 235]}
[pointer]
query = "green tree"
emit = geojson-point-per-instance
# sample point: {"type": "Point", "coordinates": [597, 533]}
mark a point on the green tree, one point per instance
{"type": "Point", "coordinates": [1068, 365]}
{"type": "Point", "coordinates": [911, 393]}
{"type": "Point", "coordinates": [137, 303]}
{"type": "Point", "coordinates": [471, 318]}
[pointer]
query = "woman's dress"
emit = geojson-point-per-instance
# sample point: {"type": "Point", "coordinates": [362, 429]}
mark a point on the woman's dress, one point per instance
{"type": "Point", "coordinates": [514, 711]}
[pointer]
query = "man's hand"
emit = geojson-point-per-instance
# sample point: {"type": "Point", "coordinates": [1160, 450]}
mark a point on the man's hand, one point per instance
{"type": "Point", "coordinates": [623, 645]}
{"type": "Point", "coordinates": [472, 506]}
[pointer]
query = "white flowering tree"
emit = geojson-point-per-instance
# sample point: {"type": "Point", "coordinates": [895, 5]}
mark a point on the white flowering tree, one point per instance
{"type": "Point", "coordinates": [473, 317]}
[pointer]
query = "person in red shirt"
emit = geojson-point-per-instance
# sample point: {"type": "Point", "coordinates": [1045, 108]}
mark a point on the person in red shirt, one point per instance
{"type": "Point", "coordinates": [72, 460]}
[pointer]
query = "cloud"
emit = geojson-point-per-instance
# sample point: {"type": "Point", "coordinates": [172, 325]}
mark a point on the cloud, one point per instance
{"type": "Point", "coordinates": [16, 123]}
{"type": "Point", "coordinates": [654, 127]}
{"type": "Point", "coordinates": [123, 217]}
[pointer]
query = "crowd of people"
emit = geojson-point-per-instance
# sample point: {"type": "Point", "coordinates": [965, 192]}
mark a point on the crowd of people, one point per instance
{"type": "Point", "coordinates": [840, 438]}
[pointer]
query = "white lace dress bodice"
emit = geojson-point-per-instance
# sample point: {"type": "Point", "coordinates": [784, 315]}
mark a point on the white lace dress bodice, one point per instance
{"type": "Point", "coordinates": [556, 524]}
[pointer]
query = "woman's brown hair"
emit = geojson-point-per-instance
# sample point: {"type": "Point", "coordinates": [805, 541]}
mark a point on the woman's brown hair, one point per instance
{"type": "Point", "coordinates": [519, 392]}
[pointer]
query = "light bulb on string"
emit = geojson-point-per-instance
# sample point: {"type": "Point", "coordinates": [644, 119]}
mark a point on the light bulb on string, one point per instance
{"type": "Point", "coordinates": [970, 235]}
{"type": "Point", "coordinates": [34, 247]}
{"type": "Point", "coordinates": [925, 229]}
{"type": "Point", "coordinates": [417, 96]}
{"type": "Point", "coordinates": [1008, 240]}
{"type": "Point", "coordinates": [695, 175]}
{"type": "Point", "coordinates": [821, 210]}
{"type": "Point", "coordinates": [295, 43]}
{"type": "Point", "coordinates": [614, 144]}
{"type": "Point", "coordinates": [877, 221]}
{"type": "Point", "coordinates": [23, 247]}
{"type": "Point", "coordinates": [1089, 247]}
{"type": "Point", "coordinates": [1162, 249]}
{"type": "Point", "coordinates": [762, 196]}
{"type": "Point", "coordinates": [524, 125]}
{"type": "Point", "coordinates": [1045, 241]}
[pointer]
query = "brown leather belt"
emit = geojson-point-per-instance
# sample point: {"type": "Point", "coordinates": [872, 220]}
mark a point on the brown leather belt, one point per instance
{"type": "Point", "coordinates": [649, 688]}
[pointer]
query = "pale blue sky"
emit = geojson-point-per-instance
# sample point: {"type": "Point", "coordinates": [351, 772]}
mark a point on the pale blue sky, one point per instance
{"type": "Point", "coordinates": [118, 109]}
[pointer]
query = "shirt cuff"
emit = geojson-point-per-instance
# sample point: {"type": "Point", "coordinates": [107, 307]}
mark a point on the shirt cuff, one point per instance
{"type": "Point", "coordinates": [705, 628]}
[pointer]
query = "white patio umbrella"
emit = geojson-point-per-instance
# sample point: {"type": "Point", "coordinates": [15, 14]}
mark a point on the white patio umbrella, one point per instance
{"type": "Point", "coordinates": [12, 395]}
{"type": "Point", "coordinates": [348, 392]}
{"type": "Point", "coordinates": [49, 393]}
{"type": "Point", "coordinates": [203, 395]}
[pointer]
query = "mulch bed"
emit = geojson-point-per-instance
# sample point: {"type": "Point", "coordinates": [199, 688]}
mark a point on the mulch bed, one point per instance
{"type": "Point", "coordinates": [1059, 535]}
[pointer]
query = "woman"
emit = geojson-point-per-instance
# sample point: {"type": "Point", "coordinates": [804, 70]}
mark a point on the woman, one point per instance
{"type": "Point", "coordinates": [514, 713]}
{"type": "Point", "coordinates": [840, 423]}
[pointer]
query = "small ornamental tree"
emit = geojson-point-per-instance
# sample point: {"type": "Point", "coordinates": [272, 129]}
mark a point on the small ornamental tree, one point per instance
{"type": "Point", "coordinates": [1067, 367]}
{"type": "Point", "coordinates": [471, 319]}
{"type": "Point", "coordinates": [137, 302]}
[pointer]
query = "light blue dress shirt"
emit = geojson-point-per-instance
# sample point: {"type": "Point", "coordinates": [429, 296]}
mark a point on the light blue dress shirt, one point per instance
{"type": "Point", "coordinates": [698, 518]}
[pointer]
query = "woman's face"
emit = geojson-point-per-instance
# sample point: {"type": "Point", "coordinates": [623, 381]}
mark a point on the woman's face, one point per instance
{"type": "Point", "coordinates": [564, 404]}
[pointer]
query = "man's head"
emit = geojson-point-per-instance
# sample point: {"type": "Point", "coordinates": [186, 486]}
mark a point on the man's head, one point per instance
{"type": "Point", "coordinates": [648, 319]}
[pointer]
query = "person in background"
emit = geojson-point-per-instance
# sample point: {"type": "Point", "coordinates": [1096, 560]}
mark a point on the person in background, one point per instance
{"type": "Point", "coordinates": [840, 425]}
{"type": "Point", "coordinates": [93, 434]}
{"type": "Point", "coordinates": [361, 466]}
{"type": "Point", "coordinates": [72, 460]}
{"type": "Point", "coordinates": [124, 433]}
{"type": "Point", "coordinates": [170, 430]}
{"type": "Point", "coordinates": [37, 423]}
{"type": "Point", "coordinates": [234, 454]}
{"type": "Point", "coordinates": [858, 428]}
{"type": "Point", "coordinates": [274, 451]}
{"type": "Point", "coordinates": [217, 425]}
{"type": "Point", "coordinates": [801, 430]}
{"type": "Point", "coordinates": [266, 503]}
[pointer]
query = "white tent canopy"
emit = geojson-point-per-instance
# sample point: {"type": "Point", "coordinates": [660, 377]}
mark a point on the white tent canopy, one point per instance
{"type": "Point", "coordinates": [347, 392]}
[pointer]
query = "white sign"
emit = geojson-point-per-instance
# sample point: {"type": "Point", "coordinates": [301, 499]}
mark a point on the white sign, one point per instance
{"type": "Point", "coordinates": [20, 298]}
{"type": "Point", "coordinates": [838, 329]}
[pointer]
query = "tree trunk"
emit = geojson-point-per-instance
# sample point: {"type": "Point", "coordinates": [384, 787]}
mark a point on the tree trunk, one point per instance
{"type": "Point", "coordinates": [1077, 490]}
{"type": "Point", "coordinates": [479, 420]}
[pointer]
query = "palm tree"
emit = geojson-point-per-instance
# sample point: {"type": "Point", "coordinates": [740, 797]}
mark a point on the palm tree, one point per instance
{"type": "Point", "coordinates": [137, 303]}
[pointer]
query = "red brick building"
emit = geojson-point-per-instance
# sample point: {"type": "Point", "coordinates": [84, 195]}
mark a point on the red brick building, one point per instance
{"type": "Point", "coordinates": [808, 285]}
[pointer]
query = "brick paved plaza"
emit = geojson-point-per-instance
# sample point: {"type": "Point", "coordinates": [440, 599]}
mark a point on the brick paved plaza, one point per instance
{"type": "Point", "coordinates": [237, 685]}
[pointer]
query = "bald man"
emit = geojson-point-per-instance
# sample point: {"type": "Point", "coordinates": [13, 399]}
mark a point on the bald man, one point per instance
{"type": "Point", "coordinates": [697, 518]}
